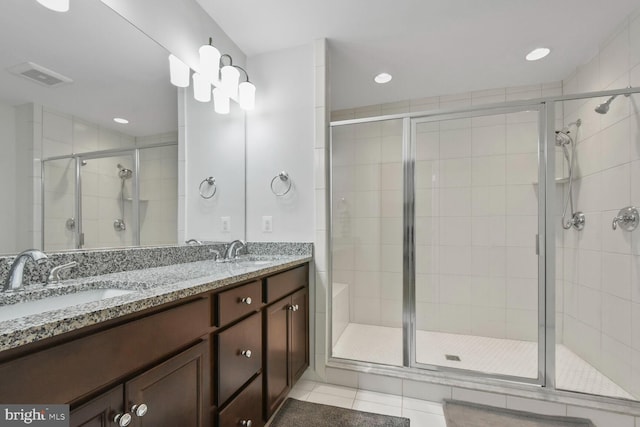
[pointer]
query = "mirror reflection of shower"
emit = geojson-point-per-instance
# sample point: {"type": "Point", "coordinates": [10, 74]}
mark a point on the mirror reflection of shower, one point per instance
{"type": "Point", "coordinates": [564, 140]}
{"type": "Point", "coordinates": [124, 174]}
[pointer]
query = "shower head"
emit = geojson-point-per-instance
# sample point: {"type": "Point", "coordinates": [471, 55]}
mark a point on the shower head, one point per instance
{"type": "Point", "coordinates": [604, 107]}
{"type": "Point", "coordinates": [123, 172]}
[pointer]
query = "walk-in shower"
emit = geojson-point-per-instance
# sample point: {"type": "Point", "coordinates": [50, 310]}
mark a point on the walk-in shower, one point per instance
{"type": "Point", "coordinates": [110, 198]}
{"type": "Point", "coordinates": [446, 254]}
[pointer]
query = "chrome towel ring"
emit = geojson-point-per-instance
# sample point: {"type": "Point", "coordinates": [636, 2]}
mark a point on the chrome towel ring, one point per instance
{"type": "Point", "coordinates": [212, 183]}
{"type": "Point", "coordinates": [284, 177]}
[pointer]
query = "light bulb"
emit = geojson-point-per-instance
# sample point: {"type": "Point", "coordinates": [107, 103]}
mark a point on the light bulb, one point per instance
{"type": "Point", "coordinates": [56, 5]}
{"type": "Point", "coordinates": [209, 61]}
{"type": "Point", "coordinates": [201, 88]}
{"type": "Point", "coordinates": [220, 101]}
{"type": "Point", "coordinates": [247, 95]}
{"type": "Point", "coordinates": [179, 72]}
{"type": "Point", "coordinates": [229, 80]}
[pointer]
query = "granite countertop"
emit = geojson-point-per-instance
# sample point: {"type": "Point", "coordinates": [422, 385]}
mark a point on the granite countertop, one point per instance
{"type": "Point", "coordinates": [150, 287]}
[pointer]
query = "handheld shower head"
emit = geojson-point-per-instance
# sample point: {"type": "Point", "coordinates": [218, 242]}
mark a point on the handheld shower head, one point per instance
{"type": "Point", "coordinates": [604, 107]}
{"type": "Point", "coordinates": [123, 172]}
{"type": "Point", "coordinates": [562, 138]}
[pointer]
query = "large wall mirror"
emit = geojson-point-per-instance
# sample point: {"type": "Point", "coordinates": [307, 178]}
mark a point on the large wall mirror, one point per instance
{"type": "Point", "coordinates": [73, 177]}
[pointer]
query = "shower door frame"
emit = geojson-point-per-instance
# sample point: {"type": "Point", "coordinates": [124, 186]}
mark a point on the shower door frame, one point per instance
{"type": "Point", "coordinates": [546, 247]}
{"type": "Point", "coordinates": [545, 163]}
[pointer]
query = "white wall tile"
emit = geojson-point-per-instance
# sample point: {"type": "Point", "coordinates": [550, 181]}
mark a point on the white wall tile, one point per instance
{"type": "Point", "coordinates": [380, 383]}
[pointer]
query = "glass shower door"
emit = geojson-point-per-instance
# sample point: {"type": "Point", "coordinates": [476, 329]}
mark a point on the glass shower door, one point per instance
{"type": "Point", "coordinates": [476, 225]}
{"type": "Point", "coordinates": [367, 243]}
{"type": "Point", "coordinates": [59, 209]}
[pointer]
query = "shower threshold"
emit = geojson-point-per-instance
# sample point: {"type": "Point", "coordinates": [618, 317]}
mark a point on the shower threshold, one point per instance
{"type": "Point", "coordinates": [380, 344]}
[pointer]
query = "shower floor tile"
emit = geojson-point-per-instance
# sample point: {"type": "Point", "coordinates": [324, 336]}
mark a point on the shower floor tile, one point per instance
{"type": "Point", "coordinates": [380, 344]}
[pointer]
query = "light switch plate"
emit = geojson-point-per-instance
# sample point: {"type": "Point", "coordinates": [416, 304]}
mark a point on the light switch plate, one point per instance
{"type": "Point", "coordinates": [226, 224]}
{"type": "Point", "coordinates": [267, 224]}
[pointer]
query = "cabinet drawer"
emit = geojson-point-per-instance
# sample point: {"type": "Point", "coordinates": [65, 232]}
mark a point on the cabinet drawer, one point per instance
{"type": "Point", "coordinates": [282, 284]}
{"type": "Point", "coordinates": [247, 406]}
{"type": "Point", "coordinates": [239, 356]}
{"type": "Point", "coordinates": [235, 303]}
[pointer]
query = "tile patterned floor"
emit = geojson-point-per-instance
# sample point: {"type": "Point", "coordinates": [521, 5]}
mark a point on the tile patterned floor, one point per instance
{"type": "Point", "coordinates": [380, 344]}
{"type": "Point", "coordinates": [422, 413]}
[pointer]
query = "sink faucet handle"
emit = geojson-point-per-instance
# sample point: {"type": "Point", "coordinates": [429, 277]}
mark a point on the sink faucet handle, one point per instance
{"type": "Point", "coordinates": [215, 253]}
{"type": "Point", "coordinates": [54, 275]}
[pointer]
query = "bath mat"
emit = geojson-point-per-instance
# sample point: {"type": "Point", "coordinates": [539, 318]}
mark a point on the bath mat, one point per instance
{"type": "Point", "coordinates": [295, 413]}
{"type": "Point", "coordinates": [464, 414]}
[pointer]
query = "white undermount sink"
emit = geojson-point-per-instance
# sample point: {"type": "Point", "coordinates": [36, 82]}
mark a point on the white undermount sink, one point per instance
{"type": "Point", "coordinates": [28, 308]}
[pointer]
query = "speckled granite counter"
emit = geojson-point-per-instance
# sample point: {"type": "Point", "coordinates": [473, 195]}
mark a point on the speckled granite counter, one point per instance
{"type": "Point", "coordinates": [151, 287]}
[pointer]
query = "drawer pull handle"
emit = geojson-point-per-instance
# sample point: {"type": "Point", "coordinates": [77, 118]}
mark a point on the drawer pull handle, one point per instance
{"type": "Point", "coordinates": [246, 423]}
{"type": "Point", "coordinates": [246, 353]}
{"type": "Point", "coordinates": [246, 300]}
{"type": "Point", "coordinates": [140, 410]}
{"type": "Point", "coordinates": [123, 420]}
{"type": "Point", "coordinates": [294, 307]}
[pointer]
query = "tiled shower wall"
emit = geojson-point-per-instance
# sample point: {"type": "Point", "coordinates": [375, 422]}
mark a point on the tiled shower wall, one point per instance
{"type": "Point", "coordinates": [602, 266]}
{"type": "Point", "coordinates": [476, 208]}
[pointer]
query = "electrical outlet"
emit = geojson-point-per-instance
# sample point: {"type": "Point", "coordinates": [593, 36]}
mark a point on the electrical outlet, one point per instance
{"type": "Point", "coordinates": [267, 224]}
{"type": "Point", "coordinates": [226, 224]}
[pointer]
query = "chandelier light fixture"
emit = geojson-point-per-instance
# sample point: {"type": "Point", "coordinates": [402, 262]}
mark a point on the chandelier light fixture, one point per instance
{"type": "Point", "coordinates": [218, 71]}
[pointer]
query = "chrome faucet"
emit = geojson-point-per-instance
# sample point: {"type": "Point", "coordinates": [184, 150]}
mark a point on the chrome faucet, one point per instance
{"type": "Point", "coordinates": [54, 275]}
{"type": "Point", "coordinates": [232, 252]}
{"type": "Point", "coordinates": [16, 272]}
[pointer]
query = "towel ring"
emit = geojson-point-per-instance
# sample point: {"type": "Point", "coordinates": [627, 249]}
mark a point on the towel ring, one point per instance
{"type": "Point", "coordinates": [212, 182]}
{"type": "Point", "coordinates": [284, 176]}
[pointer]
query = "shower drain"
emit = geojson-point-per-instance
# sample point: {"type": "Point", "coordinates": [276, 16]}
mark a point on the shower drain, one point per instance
{"type": "Point", "coordinates": [452, 357]}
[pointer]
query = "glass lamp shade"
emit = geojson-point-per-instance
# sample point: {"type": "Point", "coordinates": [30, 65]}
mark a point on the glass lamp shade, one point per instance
{"type": "Point", "coordinates": [201, 88]}
{"type": "Point", "coordinates": [56, 5]}
{"type": "Point", "coordinates": [209, 61]}
{"type": "Point", "coordinates": [179, 72]}
{"type": "Point", "coordinates": [220, 101]}
{"type": "Point", "coordinates": [247, 95]}
{"type": "Point", "coordinates": [229, 80]}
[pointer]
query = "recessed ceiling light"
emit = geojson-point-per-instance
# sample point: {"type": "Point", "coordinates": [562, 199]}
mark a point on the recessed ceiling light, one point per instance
{"type": "Point", "coordinates": [121, 120]}
{"type": "Point", "coordinates": [537, 53]}
{"type": "Point", "coordinates": [383, 78]}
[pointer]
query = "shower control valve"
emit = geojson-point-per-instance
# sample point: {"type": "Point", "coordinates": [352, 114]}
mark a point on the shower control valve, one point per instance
{"type": "Point", "coordinates": [628, 219]}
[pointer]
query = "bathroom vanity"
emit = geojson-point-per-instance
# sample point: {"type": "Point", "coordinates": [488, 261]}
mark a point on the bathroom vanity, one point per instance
{"type": "Point", "coordinates": [218, 348]}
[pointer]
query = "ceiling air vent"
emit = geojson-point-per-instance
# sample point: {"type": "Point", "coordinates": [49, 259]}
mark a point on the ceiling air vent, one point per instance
{"type": "Point", "coordinates": [39, 74]}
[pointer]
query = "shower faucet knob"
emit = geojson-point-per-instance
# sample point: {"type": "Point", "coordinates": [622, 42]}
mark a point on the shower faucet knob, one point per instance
{"type": "Point", "coordinates": [628, 219]}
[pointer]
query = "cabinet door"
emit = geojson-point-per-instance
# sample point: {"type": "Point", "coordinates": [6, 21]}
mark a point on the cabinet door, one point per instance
{"type": "Point", "coordinates": [174, 391]}
{"type": "Point", "coordinates": [99, 412]}
{"type": "Point", "coordinates": [276, 373]}
{"type": "Point", "coordinates": [299, 335]}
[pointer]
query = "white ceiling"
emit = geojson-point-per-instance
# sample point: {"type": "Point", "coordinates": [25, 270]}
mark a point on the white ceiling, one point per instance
{"type": "Point", "coordinates": [431, 47]}
{"type": "Point", "coordinates": [117, 70]}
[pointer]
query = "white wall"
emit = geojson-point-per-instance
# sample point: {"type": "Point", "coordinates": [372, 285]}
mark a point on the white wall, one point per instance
{"type": "Point", "coordinates": [280, 136]}
{"type": "Point", "coordinates": [215, 146]}
{"type": "Point", "coordinates": [8, 243]}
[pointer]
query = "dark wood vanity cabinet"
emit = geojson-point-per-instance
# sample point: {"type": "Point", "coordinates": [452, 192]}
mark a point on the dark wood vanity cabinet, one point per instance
{"type": "Point", "coordinates": [286, 329]}
{"type": "Point", "coordinates": [222, 358]}
{"type": "Point", "coordinates": [173, 393]}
